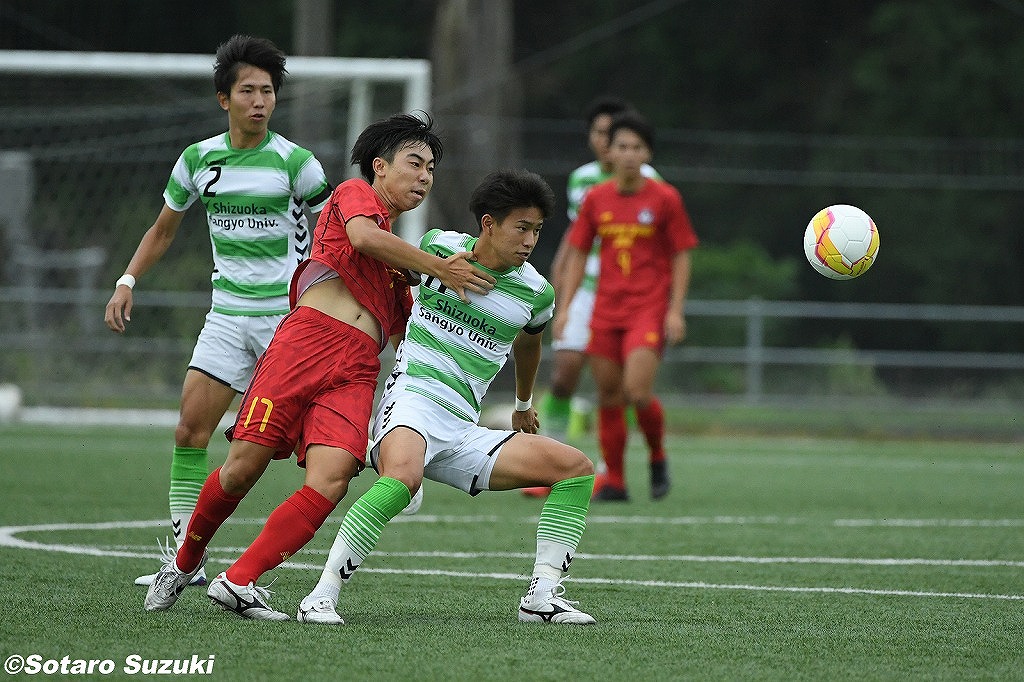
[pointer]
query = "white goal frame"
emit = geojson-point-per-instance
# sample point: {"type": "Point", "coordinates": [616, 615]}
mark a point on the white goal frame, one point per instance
{"type": "Point", "coordinates": [412, 74]}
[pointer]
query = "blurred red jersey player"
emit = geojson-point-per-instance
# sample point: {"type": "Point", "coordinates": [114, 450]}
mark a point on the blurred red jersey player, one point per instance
{"type": "Point", "coordinates": [646, 238]}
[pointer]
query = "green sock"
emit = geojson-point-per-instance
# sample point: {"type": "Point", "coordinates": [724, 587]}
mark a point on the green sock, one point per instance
{"type": "Point", "coordinates": [363, 524]}
{"type": "Point", "coordinates": [188, 473]}
{"type": "Point", "coordinates": [554, 412]}
{"type": "Point", "coordinates": [564, 515]}
{"type": "Point", "coordinates": [562, 521]}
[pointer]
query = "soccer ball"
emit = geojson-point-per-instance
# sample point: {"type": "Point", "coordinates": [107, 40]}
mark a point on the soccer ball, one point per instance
{"type": "Point", "coordinates": [841, 242]}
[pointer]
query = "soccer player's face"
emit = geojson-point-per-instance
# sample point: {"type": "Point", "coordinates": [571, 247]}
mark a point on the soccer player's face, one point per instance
{"type": "Point", "coordinates": [251, 101]}
{"type": "Point", "coordinates": [513, 239]}
{"type": "Point", "coordinates": [598, 138]}
{"type": "Point", "coordinates": [408, 178]}
{"type": "Point", "coordinates": [628, 153]}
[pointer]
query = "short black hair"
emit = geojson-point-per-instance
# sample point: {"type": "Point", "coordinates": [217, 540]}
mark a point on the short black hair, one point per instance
{"type": "Point", "coordinates": [631, 120]}
{"type": "Point", "coordinates": [605, 104]}
{"type": "Point", "coordinates": [384, 138]}
{"type": "Point", "coordinates": [503, 191]}
{"type": "Point", "coordinates": [241, 49]}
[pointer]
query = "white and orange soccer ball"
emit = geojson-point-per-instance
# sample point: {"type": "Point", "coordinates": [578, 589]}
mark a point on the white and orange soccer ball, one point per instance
{"type": "Point", "coordinates": [841, 242]}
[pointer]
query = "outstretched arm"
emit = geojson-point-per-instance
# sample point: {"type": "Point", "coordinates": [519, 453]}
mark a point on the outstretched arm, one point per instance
{"type": "Point", "coordinates": [455, 272]}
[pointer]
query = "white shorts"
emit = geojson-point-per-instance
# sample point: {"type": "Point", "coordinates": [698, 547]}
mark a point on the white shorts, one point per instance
{"type": "Point", "coordinates": [577, 326]}
{"type": "Point", "coordinates": [229, 346]}
{"type": "Point", "coordinates": [459, 453]}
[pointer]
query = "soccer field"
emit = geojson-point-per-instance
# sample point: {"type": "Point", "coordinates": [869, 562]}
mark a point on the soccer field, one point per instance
{"type": "Point", "coordinates": [773, 558]}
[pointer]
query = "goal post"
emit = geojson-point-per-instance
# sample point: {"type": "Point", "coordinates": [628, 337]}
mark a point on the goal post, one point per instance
{"type": "Point", "coordinates": [351, 79]}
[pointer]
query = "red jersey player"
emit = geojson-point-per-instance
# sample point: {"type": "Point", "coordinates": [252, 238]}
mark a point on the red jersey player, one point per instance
{"type": "Point", "coordinates": [646, 237]}
{"type": "Point", "coordinates": [312, 392]}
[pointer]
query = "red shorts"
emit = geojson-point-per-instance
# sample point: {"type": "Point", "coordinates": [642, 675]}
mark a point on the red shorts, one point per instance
{"type": "Point", "coordinates": [616, 343]}
{"type": "Point", "coordinates": [313, 386]}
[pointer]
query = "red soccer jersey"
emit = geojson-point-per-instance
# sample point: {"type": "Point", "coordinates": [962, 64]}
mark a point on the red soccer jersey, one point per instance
{"type": "Point", "coordinates": [378, 287]}
{"type": "Point", "coordinates": [640, 233]}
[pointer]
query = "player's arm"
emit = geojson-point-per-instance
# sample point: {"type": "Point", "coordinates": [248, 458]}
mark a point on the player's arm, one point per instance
{"type": "Point", "coordinates": [558, 265]}
{"type": "Point", "coordinates": [455, 272]}
{"type": "Point", "coordinates": [526, 352]}
{"type": "Point", "coordinates": [572, 276]}
{"type": "Point", "coordinates": [152, 247]}
{"type": "Point", "coordinates": [675, 320]}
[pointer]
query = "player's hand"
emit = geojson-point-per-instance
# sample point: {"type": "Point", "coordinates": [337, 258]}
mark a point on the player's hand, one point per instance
{"type": "Point", "coordinates": [525, 421]}
{"type": "Point", "coordinates": [459, 274]}
{"type": "Point", "coordinates": [119, 309]}
{"type": "Point", "coordinates": [675, 328]}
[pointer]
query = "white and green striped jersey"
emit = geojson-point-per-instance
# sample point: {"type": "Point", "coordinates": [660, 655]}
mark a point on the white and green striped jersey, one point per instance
{"type": "Point", "coordinates": [254, 203]}
{"type": "Point", "coordinates": [579, 182]}
{"type": "Point", "coordinates": [453, 350]}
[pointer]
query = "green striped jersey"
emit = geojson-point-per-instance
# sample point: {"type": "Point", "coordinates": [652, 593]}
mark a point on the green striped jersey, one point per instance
{"type": "Point", "coordinates": [452, 350]}
{"type": "Point", "coordinates": [254, 203]}
{"type": "Point", "coordinates": [581, 180]}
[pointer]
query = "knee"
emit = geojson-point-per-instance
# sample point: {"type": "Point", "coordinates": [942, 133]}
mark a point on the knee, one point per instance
{"type": "Point", "coordinates": [190, 435]}
{"type": "Point", "coordinates": [334, 490]}
{"type": "Point", "coordinates": [236, 479]}
{"type": "Point", "coordinates": [579, 465]}
{"type": "Point", "coordinates": [638, 398]}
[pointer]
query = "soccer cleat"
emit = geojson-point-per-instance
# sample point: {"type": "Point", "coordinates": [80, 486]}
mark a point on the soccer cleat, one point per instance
{"type": "Point", "coordinates": [538, 491]}
{"type": "Point", "coordinates": [552, 608]}
{"type": "Point", "coordinates": [169, 583]}
{"type": "Point", "coordinates": [660, 483]}
{"type": "Point", "coordinates": [610, 493]}
{"type": "Point", "coordinates": [249, 601]}
{"type": "Point", "coordinates": [165, 550]}
{"type": "Point", "coordinates": [146, 580]}
{"type": "Point", "coordinates": [322, 610]}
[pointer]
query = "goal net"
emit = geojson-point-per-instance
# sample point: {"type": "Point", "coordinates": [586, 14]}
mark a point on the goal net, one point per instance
{"type": "Point", "coordinates": [87, 141]}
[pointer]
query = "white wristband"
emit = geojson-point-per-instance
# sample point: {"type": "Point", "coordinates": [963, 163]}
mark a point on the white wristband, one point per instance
{"type": "Point", "coordinates": [524, 405]}
{"type": "Point", "coordinates": [127, 280]}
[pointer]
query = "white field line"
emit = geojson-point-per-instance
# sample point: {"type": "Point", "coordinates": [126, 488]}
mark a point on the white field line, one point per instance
{"type": "Point", "coordinates": [8, 538]}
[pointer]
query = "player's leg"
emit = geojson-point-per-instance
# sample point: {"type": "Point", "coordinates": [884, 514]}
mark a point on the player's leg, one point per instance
{"type": "Point", "coordinates": [611, 428]}
{"type": "Point", "coordinates": [641, 368]}
{"type": "Point", "coordinates": [556, 406]}
{"type": "Point", "coordinates": [218, 499]}
{"type": "Point", "coordinates": [526, 459]}
{"type": "Point", "coordinates": [558, 417]}
{"type": "Point", "coordinates": [400, 464]}
{"type": "Point", "coordinates": [334, 414]}
{"type": "Point", "coordinates": [220, 368]}
{"type": "Point", "coordinates": [287, 530]}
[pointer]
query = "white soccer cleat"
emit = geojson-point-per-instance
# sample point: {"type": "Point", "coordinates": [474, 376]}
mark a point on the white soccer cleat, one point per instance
{"type": "Point", "coordinates": [169, 583]}
{"type": "Point", "coordinates": [552, 608]}
{"type": "Point", "coordinates": [322, 610]}
{"type": "Point", "coordinates": [166, 551]}
{"type": "Point", "coordinates": [415, 503]}
{"type": "Point", "coordinates": [247, 601]}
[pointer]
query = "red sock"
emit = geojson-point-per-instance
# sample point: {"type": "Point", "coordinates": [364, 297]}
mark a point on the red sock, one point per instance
{"type": "Point", "coordinates": [212, 508]}
{"type": "Point", "coordinates": [287, 530]}
{"type": "Point", "coordinates": [611, 432]}
{"type": "Point", "coordinates": [651, 420]}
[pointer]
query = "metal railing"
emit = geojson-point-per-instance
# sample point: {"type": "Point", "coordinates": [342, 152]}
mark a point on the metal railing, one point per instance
{"type": "Point", "coordinates": [45, 343]}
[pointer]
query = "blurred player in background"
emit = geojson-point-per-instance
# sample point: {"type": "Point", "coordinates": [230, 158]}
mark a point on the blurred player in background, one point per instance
{"type": "Point", "coordinates": [312, 391]}
{"type": "Point", "coordinates": [646, 237]}
{"type": "Point", "coordinates": [561, 415]}
{"type": "Point", "coordinates": [427, 420]}
{"type": "Point", "coordinates": [254, 185]}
